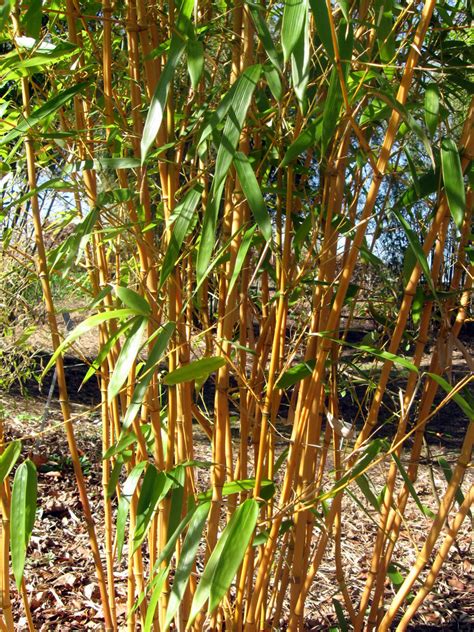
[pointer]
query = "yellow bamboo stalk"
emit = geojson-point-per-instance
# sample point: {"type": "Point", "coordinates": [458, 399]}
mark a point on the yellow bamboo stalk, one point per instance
{"type": "Point", "coordinates": [438, 522]}
{"type": "Point", "coordinates": [63, 396]}
{"type": "Point", "coordinates": [438, 562]}
{"type": "Point", "coordinates": [316, 379]}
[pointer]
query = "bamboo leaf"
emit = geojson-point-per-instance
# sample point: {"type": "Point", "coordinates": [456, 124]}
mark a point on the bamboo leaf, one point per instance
{"type": "Point", "coordinates": [274, 82]}
{"type": "Point", "coordinates": [264, 34]}
{"type": "Point", "coordinates": [128, 490]}
{"type": "Point", "coordinates": [308, 138]}
{"type": "Point", "coordinates": [84, 327]}
{"type": "Point", "coordinates": [229, 141]}
{"type": "Point", "coordinates": [134, 301]}
{"type": "Point", "coordinates": [378, 353]}
{"type": "Point", "coordinates": [186, 560]}
{"type": "Point", "coordinates": [105, 350]}
{"type": "Point", "coordinates": [126, 438]}
{"type": "Point", "coordinates": [23, 509]}
{"type": "Point", "coordinates": [195, 52]}
{"type": "Point", "coordinates": [164, 336]}
{"type": "Point", "coordinates": [241, 255]}
{"type": "Point", "coordinates": [363, 483]}
{"type": "Point", "coordinates": [294, 18]}
{"type": "Point", "coordinates": [32, 19]}
{"type": "Point", "coordinates": [416, 248]}
{"type": "Point", "coordinates": [127, 357]}
{"type": "Point", "coordinates": [332, 108]}
{"type": "Point", "coordinates": [253, 193]}
{"type": "Point", "coordinates": [44, 112]}
{"type": "Point", "coordinates": [453, 180]}
{"type": "Point", "coordinates": [300, 64]}
{"type": "Point", "coordinates": [424, 510]}
{"type": "Point", "coordinates": [178, 475]}
{"type": "Point", "coordinates": [155, 486]}
{"type": "Point", "coordinates": [158, 102]}
{"type": "Point", "coordinates": [70, 251]}
{"type": "Point", "coordinates": [225, 558]}
{"type": "Point", "coordinates": [197, 370]}
{"type": "Point", "coordinates": [240, 529]}
{"type": "Point", "coordinates": [8, 458]}
{"type": "Point", "coordinates": [5, 8]}
{"type": "Point", "coordinates": [458, 398]}
{"type": "Point", "coordinates": [185, 214]}
{"type": "Point", "coordinates": [432, 107]}
{"type": "Point", "coordinates": [323, 27]}
{"type": "Point", "coordinates": [368, 455]}
{"type": "Point", "coordinates": [267, 489]}
{"type": "Point", "coordinates": [448, 474]}
{"type": "Point", "coordinates": [295, 374]}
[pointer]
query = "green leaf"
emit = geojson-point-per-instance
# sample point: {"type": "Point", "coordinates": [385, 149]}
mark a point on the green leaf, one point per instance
{"type": "Point", "coordinates": [378, 353]}
{"type": "Point", "coordinates": [432, 107]}
{"type": "Point", "coordinates": [178, 475]}
{"type": "Point", "coordinates": [127, 357]}
{"type": "Point", "coordinates": [32, 19]}
{"type": "Point", "coordinates": [300, 64]}
{"type": "Point", "coordinates": [274, 82]}
{"type": "Point", "coordinates": [128, 490]}
{"type": "Point", "coordinates": [5, 9]}
{"type": "Point", "coordinates": [195, 52]}
{"type": "Point", "coordinates": [225, 558]}
{"type": "Point", "coordinates": [185, 214]}
{"type": "Point", "coordinates": [253, 193]}
{"type": "Point", "coordinates": [332, 108]}
{"type": "Point", "coordinates": [241, 255]}
{"type": "Point", "coordinates": [8, 458]}
{"type": "Point", "coordinates": [105, 350]}
{"type": "Point", "coordinates": [84, 327]}
{"type": "Point", "coordinates": [197, 370]}
{"type": "Point", "coordinates": [114, 477]}
{"type": "Point", "coordinates": [459, 399]}
{"type": "Point", "coordinates": [294, 19]}
{"type": "Point", "coordinates": [267, 489]}
{"type": "Point", "coordinates": [158, 102]}
{"type": "Point", "coordinates": [264, 34]}
{"type": "Point", "coordinates": [70, 251]}
{"type": "Point", "coordinates": [295, 374]}
{"type": "Point", "coordinates": [417, 305]}
{"type": "Point", "coordinates": [186, 560]}
{"type": "Point", "coordinates": [453, 180]}
{"type": "Point", "coordinates": [133, 300]}
{"type": "Point", "coordinates": [155, 486]}
{"type": "Point", "coordinates": [415, 245]}
{"type": "Point", "coordinates": [448, 474]}
{"type": "Point", "coordinates": [156, 588]}
{"type": "Point", "coordinates": [363, 483]}
{"type": "Point", "coordinates": [308, 138]}
{"type": "Point", "coordinates": [44, 111]}
{"type": "Point", "coordinates": [23, 509]}
{"type": "Point", "coordinates": [424, 510]}
{"type": "Point", "coordinates": [368, 455]}
{"type": "Point", "coordinates": [241, 99]}
{"type": "Point", "coordinates": [154, 357]}
{"type": "Point", "coordinates": [323, 27]}
{"type": "Point", "coordinates": [340, 615]}
{"type": "Point", "coordinates": [126, 439]}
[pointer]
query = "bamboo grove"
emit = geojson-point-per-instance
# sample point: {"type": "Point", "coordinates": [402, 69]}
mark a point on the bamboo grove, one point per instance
{"type": "Point", "coordinates": [227, 177]}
